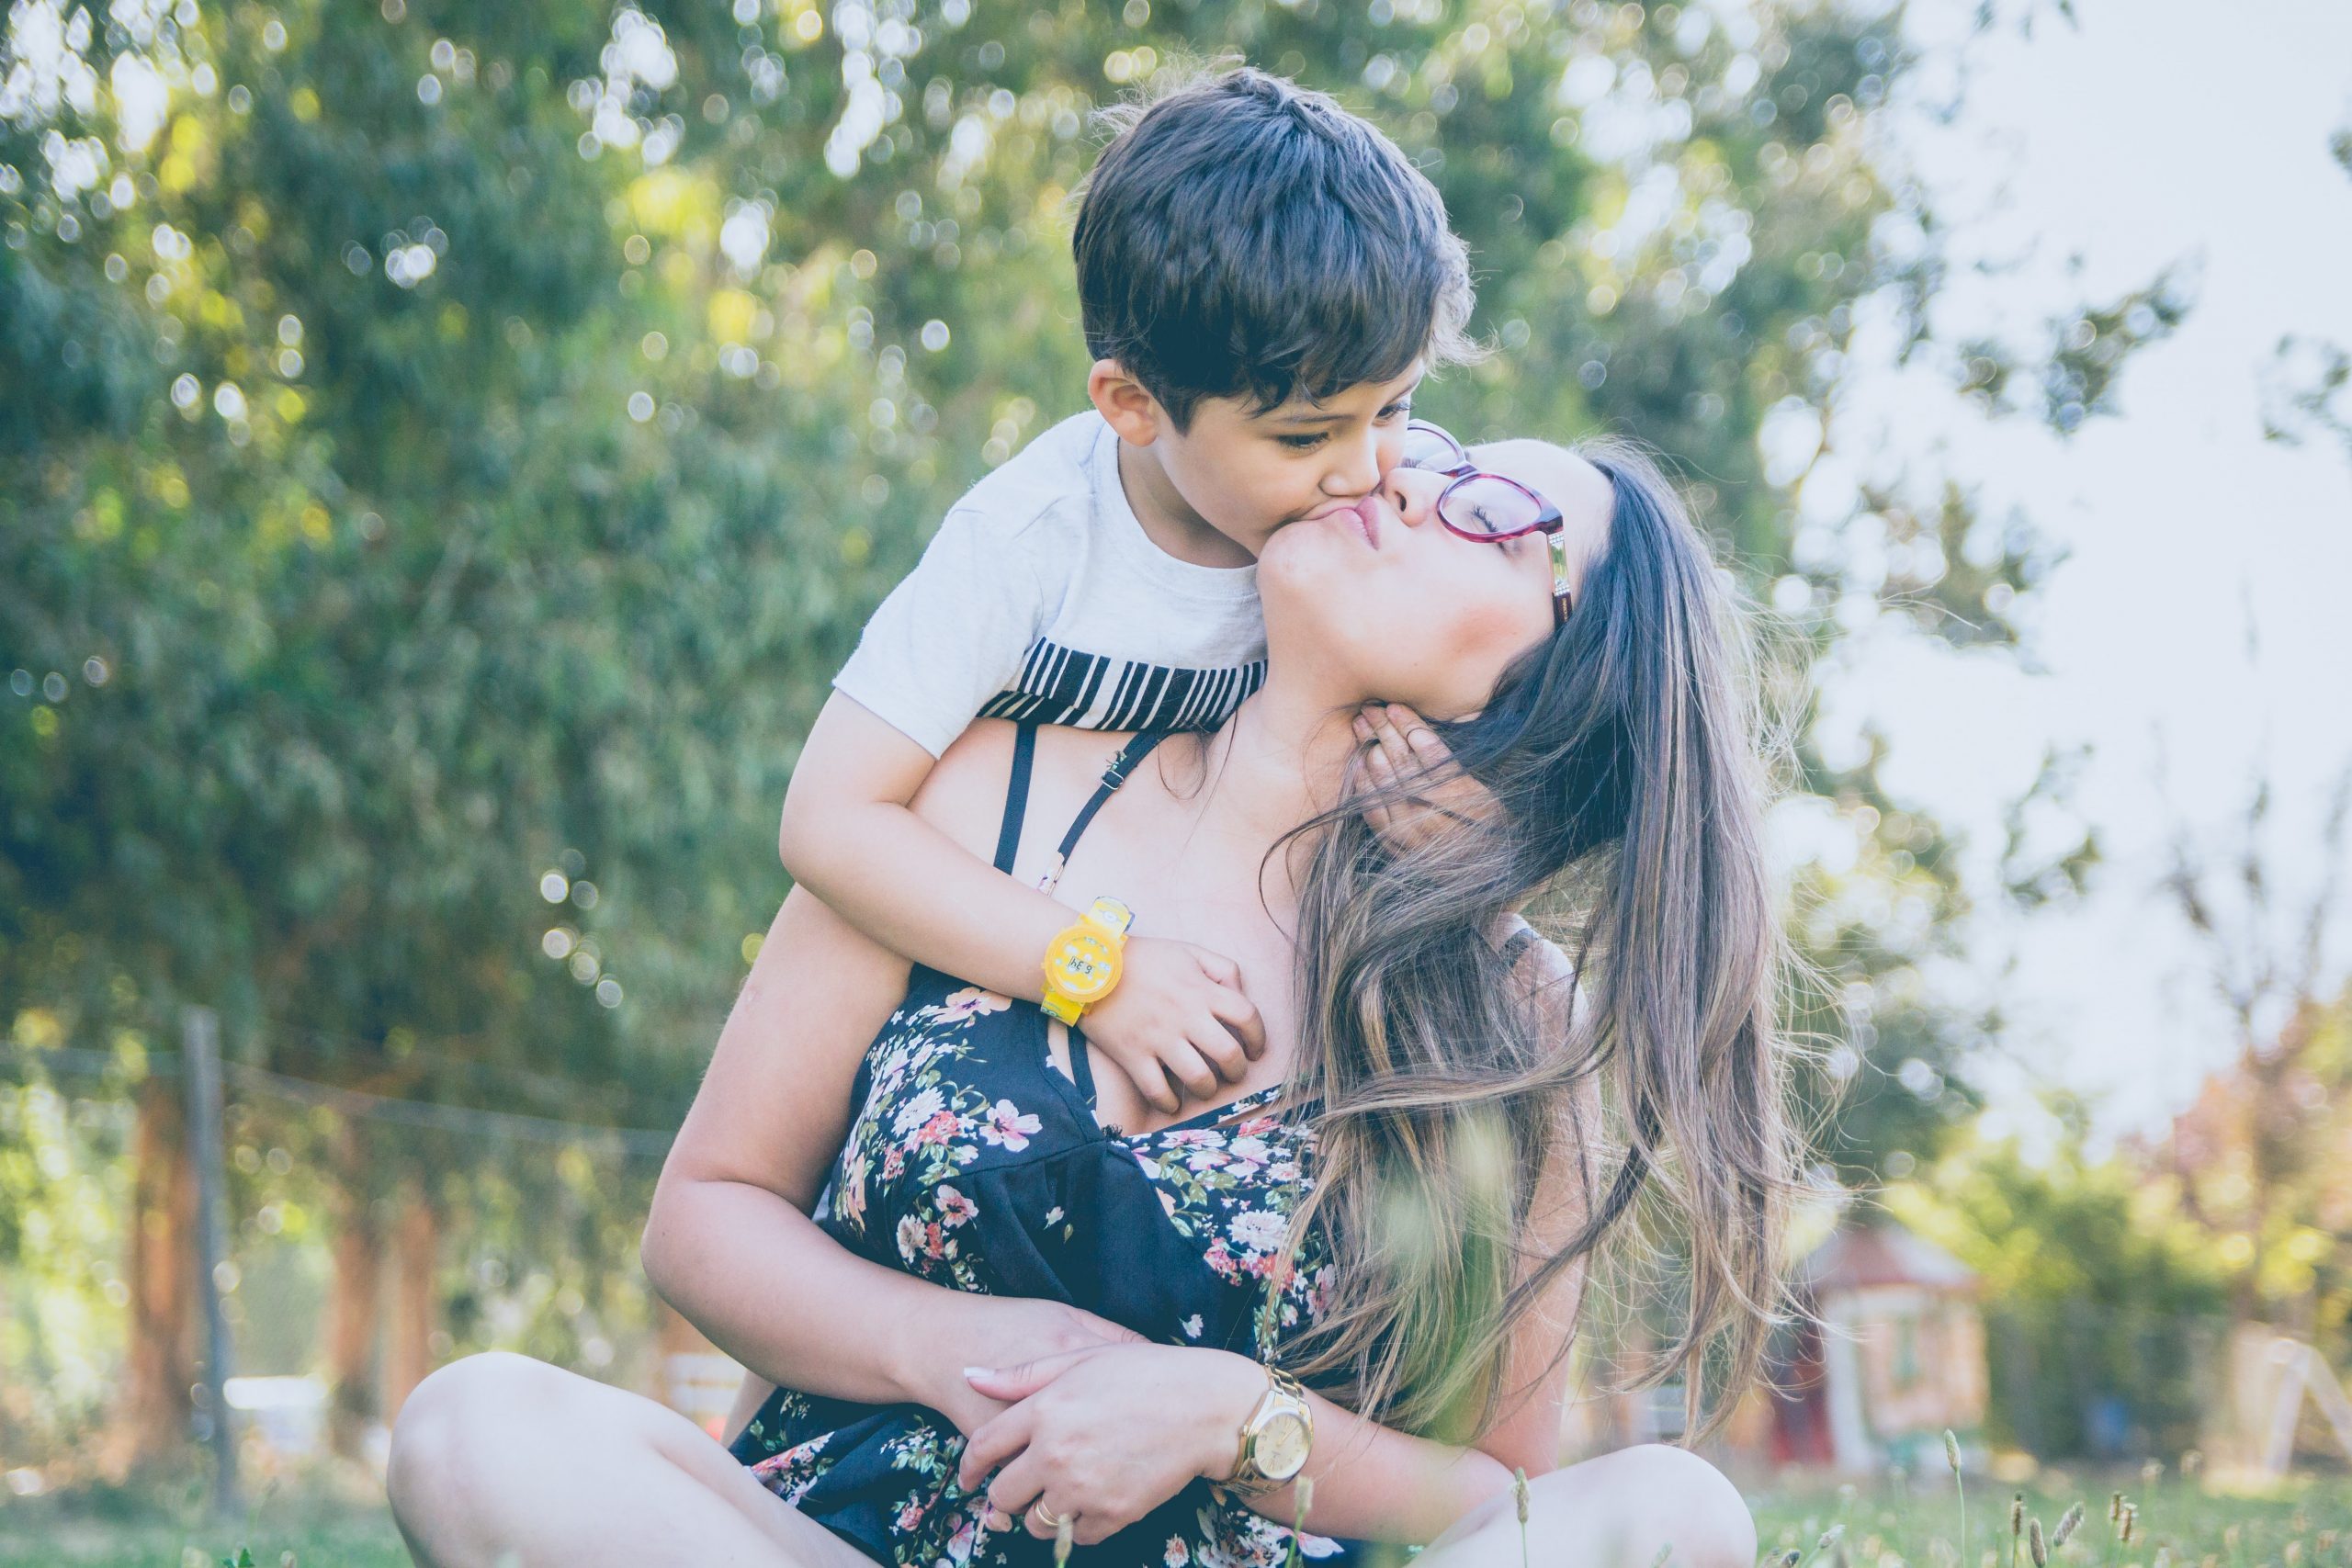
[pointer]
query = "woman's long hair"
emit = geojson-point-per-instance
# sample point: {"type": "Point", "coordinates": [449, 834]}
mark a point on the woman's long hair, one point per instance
{"type": "Point", "coordinates": [1625, 756]}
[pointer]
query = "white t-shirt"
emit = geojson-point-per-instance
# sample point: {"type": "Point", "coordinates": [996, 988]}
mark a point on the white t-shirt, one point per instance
{"type": "Point", "coordinates": [1042, 598]}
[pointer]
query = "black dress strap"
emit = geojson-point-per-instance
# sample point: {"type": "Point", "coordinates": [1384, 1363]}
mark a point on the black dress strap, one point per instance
{"type": "Point", "coordinates": [1133, 753]}
{"type": "Point", "coordinates": [1016, 795]}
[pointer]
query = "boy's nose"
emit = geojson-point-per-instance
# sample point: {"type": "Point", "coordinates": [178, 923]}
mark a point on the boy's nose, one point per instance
{"type": "Point", "coordinates": [1355, 468]}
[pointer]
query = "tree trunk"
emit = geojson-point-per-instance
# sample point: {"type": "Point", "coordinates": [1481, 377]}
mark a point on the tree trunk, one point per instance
{"type": "Point", "coordinates": [151, 1423]}
{"type": "Point", "coordinates": [416, 1297]}
{"type": "Point", "coordinates": [352, 1405]}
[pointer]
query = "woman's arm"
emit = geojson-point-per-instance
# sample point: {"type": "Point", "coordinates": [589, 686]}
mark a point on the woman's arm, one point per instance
{"type": "Point", "coordinates": [729, 1241]}
{"type": "Point", "coordinates": [1075, 1436]}
{"type": "Point", "coordinates": [1110, 1434]}
{"type": "Point", "coordinates": [1072, 1438]}
{"type": "Point", "coordinates": [1370, 1479]}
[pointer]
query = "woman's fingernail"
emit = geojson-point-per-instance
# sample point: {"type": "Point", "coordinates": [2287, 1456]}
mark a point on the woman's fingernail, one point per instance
{"type": "Point", "coordinates": [971, 1373]}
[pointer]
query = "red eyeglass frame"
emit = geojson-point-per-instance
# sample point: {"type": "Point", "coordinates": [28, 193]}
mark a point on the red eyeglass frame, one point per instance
{"type": "Point", "coordinates": [1549, 520]}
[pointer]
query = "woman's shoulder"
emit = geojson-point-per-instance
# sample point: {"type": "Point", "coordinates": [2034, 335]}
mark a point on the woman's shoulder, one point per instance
{"type": "Point", "coordinates": [1538, 964]}
{"type": "Point", "coordinates": [1546, 977]}
{"type": "Point", "coordinates": [964, 793]}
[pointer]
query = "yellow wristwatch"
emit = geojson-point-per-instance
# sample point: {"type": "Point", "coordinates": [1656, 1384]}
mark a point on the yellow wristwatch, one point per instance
{"type": "Point", "coordinates": [1275, 1438]}
{"type": "Point", "coordinates": [1083, 964]}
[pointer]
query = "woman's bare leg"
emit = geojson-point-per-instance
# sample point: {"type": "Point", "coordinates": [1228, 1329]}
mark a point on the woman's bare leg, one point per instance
{"type": "Point", "coordinates": [502, 1461]}
{"type": "Point", "coordinates": [1621, 1510]}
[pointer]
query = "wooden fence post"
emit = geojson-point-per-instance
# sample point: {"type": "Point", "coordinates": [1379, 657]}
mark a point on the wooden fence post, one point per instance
{"type": "Point", "coordinates": [201, 1062]}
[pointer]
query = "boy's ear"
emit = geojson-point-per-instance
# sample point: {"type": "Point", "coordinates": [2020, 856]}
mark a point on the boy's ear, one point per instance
{"type": "Point", "coordinates": [1125, 405]}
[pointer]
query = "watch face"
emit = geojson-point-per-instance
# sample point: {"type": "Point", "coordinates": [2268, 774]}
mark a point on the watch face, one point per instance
{"type": "Point", "coordinates": [1084, 966]}
{"type": "Point", "coordinates": [1281, 1446]}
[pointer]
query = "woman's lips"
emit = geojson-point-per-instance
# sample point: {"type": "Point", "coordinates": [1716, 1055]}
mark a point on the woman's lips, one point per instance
{"type": "Point", "coordinates": [1361, 516]}
{"type": "Point", "coordinates": [1362, 513]}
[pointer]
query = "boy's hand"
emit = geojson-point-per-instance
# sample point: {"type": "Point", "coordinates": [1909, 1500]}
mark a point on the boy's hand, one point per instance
{"type": "Point", "coordinates": [1400, 748]}
{"type": "Point", "coordinates": [1176, 1024]}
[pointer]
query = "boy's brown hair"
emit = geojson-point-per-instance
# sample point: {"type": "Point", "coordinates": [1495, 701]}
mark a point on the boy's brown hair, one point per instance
{"type": "Point", "coordinates": [1243, 236]}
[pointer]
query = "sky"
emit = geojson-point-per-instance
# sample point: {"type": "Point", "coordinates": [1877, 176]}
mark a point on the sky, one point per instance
{"type": "Point", "coordinates": [2197, 635]}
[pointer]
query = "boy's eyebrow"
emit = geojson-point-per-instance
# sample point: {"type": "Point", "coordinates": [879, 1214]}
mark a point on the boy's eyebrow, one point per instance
{"type": "Point", "coordinates": [1308, 416]}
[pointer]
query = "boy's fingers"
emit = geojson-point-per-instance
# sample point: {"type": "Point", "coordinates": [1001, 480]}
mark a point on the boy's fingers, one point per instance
{"type": "Point", "coordinates": [1223, 1052]}
{"type": "Point", "coordinates": [1404, 718]}
{"type": "Point", "coordinates": [1240, 1016]}
{"type": "Point", "coordinates": [1188, 1067]}
{"type": "Point", "coordinates": [1221, 969]}
{"type": "Point", "coordinates": [1161, 1093]}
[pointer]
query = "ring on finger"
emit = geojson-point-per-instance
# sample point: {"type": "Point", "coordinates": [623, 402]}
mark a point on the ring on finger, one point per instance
{"type": "Point", "coordinates": [1045, 1516]}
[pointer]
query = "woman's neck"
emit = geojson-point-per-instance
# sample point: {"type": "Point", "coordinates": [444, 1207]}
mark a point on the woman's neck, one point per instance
{"type": "Point", "coordinates": [1279, 761]}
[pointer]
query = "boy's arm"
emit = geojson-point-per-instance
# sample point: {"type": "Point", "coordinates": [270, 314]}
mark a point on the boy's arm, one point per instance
{"type": "Point", "coordinates": [849, 837]}
{"type": "Point", "coordinates": [847, 834]}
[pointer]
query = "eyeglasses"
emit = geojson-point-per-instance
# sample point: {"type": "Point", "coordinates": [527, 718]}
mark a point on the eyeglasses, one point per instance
{"type": "Point", "coordinates": [1488, 507]}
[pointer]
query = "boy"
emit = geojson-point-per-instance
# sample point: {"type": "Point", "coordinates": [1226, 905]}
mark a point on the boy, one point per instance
{"type": "Point", "coordinates": [1263, 279]}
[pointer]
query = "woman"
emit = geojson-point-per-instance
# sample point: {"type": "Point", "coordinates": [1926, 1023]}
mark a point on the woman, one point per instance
{"type": "Point", "coordinates": [1397, 1207]}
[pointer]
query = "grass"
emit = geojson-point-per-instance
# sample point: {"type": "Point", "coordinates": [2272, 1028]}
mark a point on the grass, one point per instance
{"type": "Point", "coordinates": [324, 1521]}
{"type": "Point", "coordinates": [2306, 1524]}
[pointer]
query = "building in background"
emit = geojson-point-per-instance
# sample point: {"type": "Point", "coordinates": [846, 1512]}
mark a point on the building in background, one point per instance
{"type": "Point", "coordinates": [1901, 1358]}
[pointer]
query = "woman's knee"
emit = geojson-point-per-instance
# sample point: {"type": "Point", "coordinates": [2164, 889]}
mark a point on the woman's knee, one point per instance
{"type": "Point", "coordinates": [447, 1420]}
{"type": "Point", "coordinates": [1651, 1505]}
{"type": "Point", "coordinates": [1707, 1521]}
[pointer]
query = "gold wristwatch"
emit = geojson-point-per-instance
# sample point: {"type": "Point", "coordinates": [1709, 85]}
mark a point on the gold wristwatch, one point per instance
{"type": "Point", "coordinates": [1275, 1438]}
{"type": "Point", "coordinates": [1083, 964]}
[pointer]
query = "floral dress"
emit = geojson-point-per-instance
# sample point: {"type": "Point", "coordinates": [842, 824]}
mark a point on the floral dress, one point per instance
{"type": "Point", "coordinates": [973, 1162]}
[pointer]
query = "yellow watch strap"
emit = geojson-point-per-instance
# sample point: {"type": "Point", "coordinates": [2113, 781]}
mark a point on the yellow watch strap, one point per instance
{"type": "Point", "coordinates": [1110, 918]}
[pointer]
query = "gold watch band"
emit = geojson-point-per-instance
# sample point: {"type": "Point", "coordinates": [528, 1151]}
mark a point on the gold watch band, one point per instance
{"type": "Point", "coordinates": [1285, 1393]}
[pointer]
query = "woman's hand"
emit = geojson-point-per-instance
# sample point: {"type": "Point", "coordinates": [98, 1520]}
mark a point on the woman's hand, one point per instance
{"type": "Point", "coordinates": [989, 1331]}
{"type": "Point", "coordinates": [1102, 1437]}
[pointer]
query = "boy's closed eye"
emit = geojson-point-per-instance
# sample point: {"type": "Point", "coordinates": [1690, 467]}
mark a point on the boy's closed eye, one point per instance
{"type": "Point", "coordinates": [1309, 441]}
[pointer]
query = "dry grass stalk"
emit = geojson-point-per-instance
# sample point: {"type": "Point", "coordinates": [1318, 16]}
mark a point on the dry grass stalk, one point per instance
{"type": "Point", "coordinates": [1951, 1458]}
{"type": "Point", "coordinates": [1298, 1519]}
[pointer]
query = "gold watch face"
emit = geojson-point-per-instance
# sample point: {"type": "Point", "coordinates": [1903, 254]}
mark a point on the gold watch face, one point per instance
{"type": "Point", "coordinates": [1279, 1445]}
{"type": "Point", "coordinates": [1084, 965]}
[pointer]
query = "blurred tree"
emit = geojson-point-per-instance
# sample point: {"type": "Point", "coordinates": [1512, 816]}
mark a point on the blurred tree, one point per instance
{"type": "Point", "coordinates": [444, 451]}
{"type": "Point", "coordinates": [2258, 1162]}
{"type": "Point", "coordinates": [2307, 386]}
{"type": "Point", "coordinates": [2103, 1307]}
